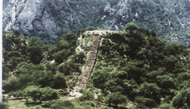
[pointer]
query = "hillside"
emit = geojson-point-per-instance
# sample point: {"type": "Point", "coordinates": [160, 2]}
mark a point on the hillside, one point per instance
{"type": "Point", "coordinates": [96, 69]}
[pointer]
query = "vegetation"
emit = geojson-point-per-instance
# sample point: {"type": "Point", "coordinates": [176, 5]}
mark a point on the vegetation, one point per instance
{"type": "Point", "coordinates": [132, 66]}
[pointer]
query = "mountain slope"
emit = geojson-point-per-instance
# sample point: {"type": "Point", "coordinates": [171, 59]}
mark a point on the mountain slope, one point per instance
{"type": "Point", "coordinates": [168, 18]}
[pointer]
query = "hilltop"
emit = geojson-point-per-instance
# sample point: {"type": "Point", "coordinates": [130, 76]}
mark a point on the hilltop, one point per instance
{"type": "Point", "coordinates": [100, 69]}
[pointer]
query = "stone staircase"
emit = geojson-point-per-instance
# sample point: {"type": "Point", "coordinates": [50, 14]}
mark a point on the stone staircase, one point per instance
{"type": "Point", "coordinates": [89, 64]}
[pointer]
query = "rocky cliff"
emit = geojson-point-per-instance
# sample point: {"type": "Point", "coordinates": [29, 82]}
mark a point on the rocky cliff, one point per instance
{"type": "Point", "coordinates": [169, 18]}
{"type": "Point", "coordinates": [29, 16]}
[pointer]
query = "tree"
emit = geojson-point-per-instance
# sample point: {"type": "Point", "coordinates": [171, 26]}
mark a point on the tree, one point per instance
{"type": "Point", "coordinates": [131, 27]}
{"type": "Point", "coordinates": [147, 102]}
{"type": "Point", "coordinates": [115, 98]}
{"type": "Point", "coordinates": [149, 90]}
{"type": "Point", "coordinates": [40, 94]}
{"type": "Point", "coordinates": [48, 93]}
{"type": "Point", "coordinates": [58, 81]}
{"type": "Point", "coordinates": [165, 82]}
{"type": "Point", "coordinates": [10, 84]}
{"type": "Point", "coordinates": [34, 92]}
{"type": "Point", "coordinates": [66, 104]}
{"type": "Point", "coordinates": [87, 95]}
{"type": "Point", "coordinates": [99, 78]}
{"type": "Point", "coordinates": [182, 99]}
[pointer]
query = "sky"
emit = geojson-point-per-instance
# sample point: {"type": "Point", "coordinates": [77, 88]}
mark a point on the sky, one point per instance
{"type": "Point", "coordinates": [1, 15]}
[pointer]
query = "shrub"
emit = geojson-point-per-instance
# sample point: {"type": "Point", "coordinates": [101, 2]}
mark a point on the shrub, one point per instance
{"type": "Point", "coordinates": [65, 68]}
{"type": "Point", "coordinates": [81, 90]}
{"type": "Point", "coordinates": [10, 84]}
{"type": "Point", "coordinates": [182, 99]}
{"type": "Point", "coordinates": [59, 81]}
{"type": "Point", "coordinates": [63, 92]}
{"type": "Point", "coordinates": [145, 102]}
{"type": "Point", "coordinates": [40, 94]}
{"type": "Point", "coordinates": [88, 103]}
{"type": "Point", "coordinates": [18, 93]}
{"type": "Point", "coordinates": [131, 27]}
{"type": "Point", "coordinates": [115, 98]}
{"type": "Point", "coordinates": [149, 90]}
{"type": "Point", "coordinates": [46, 104]}
{"type": "Point", "coordinates": [106, 107]}
{"type": "Point", "coordinates": [87, 95]}
{"type": "Point", "coordinates": [165, 81]}
{"type": "Point", "coordinates": [100, 97]}
{"type": "Point", "coordinates": [34, 92]}
{"type": "Point", "coordinates": [99, 78]}
{"type": "Point", "coordinates": [165, 106]}
{"type": "Point", "coordinates": [48, 93]}
{"type": "Point", "coordinates": [90, 28]}
{"type": "Point", "coordinates": [62, 105]}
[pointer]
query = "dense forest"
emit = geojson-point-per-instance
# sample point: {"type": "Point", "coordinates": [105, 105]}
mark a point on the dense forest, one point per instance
{"type": "Point", "coordinates": [134, 69]}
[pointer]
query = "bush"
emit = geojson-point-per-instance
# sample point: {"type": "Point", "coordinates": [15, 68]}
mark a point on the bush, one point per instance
{"type": "Point", "coordinates": [131, 27]}
{"type": "Point", "coordinates": [145, 102]}
{"type": "Point", "coordinates": [90, 28]}
{"type": "Point", "coordinates": [62, 105]}
{"type": "Point", "coordinates": [165, 81]}
{"type": "Point", "coordinates": [87, 95]}
{"type": "Point", "coordinates": [182, 99]}
{"type": "Point", "coordinates": [149, 90]}
{"type": "Point", "coordinates": [40, 94]}
{"type": "Point", "coordinates": [99, 78]}
{"type": "Point", "coordinates": [81, 90]}
{"type": "Point", "coordinates": [63, 92]}
{"type": "Point", "coordinates": [10, 84]}
{"type": "Point", "coordinates": [165, 106]}
{"type": "Point", "coordinates": [18, 93]}
{"type": "Point", "coordinates": [65, 68]}
{"type": "Point", "coordinates": [46, 104]}
{"type": "Point", "coordinates": [106, 107]}
{"type": "Point", "coordinates": [48, 94]}
{"type": "Point", "coordinates": [34, 92]}
{"type": "Point", "coordinates": [59, 81]}
{"type": "Point", "coordinates": [115, 98]}
{"type": "Point", "coordinates": [88, 103]}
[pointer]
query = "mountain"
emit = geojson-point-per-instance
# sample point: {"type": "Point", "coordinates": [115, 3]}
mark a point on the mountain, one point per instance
{"type": "Point", "coordinates": [50, 19]}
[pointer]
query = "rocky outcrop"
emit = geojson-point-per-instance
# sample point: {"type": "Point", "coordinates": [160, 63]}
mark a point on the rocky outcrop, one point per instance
{"type": "Point", "coordinates": [29, 16]}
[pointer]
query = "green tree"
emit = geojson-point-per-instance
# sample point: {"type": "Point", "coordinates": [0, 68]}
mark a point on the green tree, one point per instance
{"type": "Point", "coordinates": [115, 98]}
{"type": "Point", "coordinates": [10, 84]}
{"type": "Point", "coordinates": [149, 90]}
{"type": "Point", "coordinates": [100, 77]}
{"type": "Point", "coordinates": [66, 104]}
{"type": "Point", "coordinates": [59, 81]}
{"type": "Point", "coordinates": [87, 95]}
{"type": "Point", "coordinates": [131, 27]}
{"type": "Point", "coordinates": [145, 102]}
{"type": "Point", "coordinates": [182, 99]}
{"type": "Point", "coordinates": [40, 94]}
{"type": "Point", "coordinates": [34, 92]}
{"type": "Point", "coordinates": [165, 82]}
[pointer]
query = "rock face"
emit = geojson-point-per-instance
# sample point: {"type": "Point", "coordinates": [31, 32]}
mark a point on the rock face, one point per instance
{"type": "Point", "coordinates": [53, 17]}
{"type": "Point", "coordinates": [168, 18]}
{"type": "Point", "coordinates": [29, 16]}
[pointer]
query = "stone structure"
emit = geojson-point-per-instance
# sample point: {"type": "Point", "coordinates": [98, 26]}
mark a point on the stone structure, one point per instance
{"type": "Point", "coordinates": [91, 59]}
